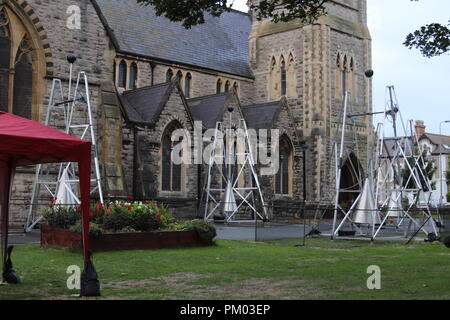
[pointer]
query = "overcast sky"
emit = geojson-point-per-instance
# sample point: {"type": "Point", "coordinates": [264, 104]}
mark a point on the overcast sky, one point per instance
{"type": "Point", "coordinates": [422, 84]}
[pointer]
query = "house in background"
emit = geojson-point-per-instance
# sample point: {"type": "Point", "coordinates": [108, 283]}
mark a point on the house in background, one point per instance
{"type": "Point", "coordinates": [438, 147]}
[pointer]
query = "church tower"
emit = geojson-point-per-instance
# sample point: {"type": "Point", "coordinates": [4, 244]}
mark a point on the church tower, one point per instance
{"type": "Point", "coordinates": [312, 66]}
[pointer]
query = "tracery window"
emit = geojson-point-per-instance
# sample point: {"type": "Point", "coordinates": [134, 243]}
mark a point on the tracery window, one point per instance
{"type": "Point", "coordinates": [169, 75]}
{"type": "Point", "coordinates": [283, 79]}
{"type": "Point", "coordinates": [187, 85]}
{"type": "Point", "coordinates": [133, 76]}
{"type": "Point", "coordinates": [122, 81]}
{"type": "Point", "coordinates": [283, 178]}
{"type": "Point", "coordinates": [171, 173]}
{"type": "Point", "coordinates": [17, 72]}
{"type": "Point", "coordinates": [219, 86]}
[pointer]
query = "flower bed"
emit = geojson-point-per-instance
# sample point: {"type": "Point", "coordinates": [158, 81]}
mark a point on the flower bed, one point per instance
{"type": "Point", "coordinates": [123, 225]}
{"type": "Point", "coordinates": [119, 241]}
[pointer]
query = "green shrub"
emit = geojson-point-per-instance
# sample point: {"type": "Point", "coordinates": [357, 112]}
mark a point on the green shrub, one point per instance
{"type": "Point", "coordinates": [206, 230]}
{"type": "Point", "coordinates": [61, 217]}
{"type": "Point", "coordinates": [94, 229]}
{"type": "Point", "coordinates": [143, 221]}
{"type": "Point", "coordinates": [117, 220]}
{"type": "Point", "coordinates": [448, 196]}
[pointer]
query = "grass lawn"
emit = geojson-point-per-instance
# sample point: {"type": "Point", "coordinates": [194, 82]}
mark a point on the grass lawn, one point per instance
{"type": "Point", "coordinates": [243, 270]}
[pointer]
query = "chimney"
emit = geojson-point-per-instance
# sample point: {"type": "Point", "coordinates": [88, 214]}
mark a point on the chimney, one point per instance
{"type": "Point", "coordinates": [420, 128]}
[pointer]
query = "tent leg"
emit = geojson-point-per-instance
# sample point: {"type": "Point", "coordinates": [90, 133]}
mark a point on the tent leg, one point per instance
{"type": "Point", "coordinates": [90, 285]}
{"type": "Point", "coordinates": [6, 178]}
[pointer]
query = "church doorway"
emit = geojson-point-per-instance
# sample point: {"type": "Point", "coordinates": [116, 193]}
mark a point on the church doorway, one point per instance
{"type": "Point", "coordinates": [351, 181]}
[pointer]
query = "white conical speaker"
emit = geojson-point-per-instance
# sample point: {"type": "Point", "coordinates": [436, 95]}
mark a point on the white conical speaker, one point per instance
{"type": "Point", "coordinates": [394, 206]}
{"type": "Point", "coordinates": [63, 195]}
{"type": "Point", "coordinates": [229, 205]}
{"type": "Point", "coordinates": [366, 211]}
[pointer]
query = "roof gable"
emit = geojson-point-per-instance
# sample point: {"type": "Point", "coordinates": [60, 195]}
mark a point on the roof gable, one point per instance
{"type": "Point", "coordinates": [262, 116]}
{"type": "Point", "coordinates": [144, 105]}
{"type": "Point", "coordinates": [211, 109]}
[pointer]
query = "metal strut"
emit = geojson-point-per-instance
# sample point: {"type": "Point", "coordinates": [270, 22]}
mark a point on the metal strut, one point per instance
{"type": "Point", "coordinates": [76, 112]}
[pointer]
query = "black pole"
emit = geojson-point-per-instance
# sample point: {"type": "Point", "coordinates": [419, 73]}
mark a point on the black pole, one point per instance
{"type": "Point", "coordinates": [305, 147]}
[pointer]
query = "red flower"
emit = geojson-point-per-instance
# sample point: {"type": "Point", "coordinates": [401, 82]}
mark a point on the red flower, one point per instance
{"type": "Point", "coordinates": [130, 198]}
{"type": "Point", "coordinates": [99, 208]}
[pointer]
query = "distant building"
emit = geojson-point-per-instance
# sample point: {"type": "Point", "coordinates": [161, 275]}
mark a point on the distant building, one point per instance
{"type": "Point", "coordinates": [437, 148]}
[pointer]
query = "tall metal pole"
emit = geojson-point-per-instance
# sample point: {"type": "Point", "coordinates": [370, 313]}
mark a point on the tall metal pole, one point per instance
{"type": "Point", "coordinates": [339, 163]}
{"type": "Point", "coordinates": [441, 171]}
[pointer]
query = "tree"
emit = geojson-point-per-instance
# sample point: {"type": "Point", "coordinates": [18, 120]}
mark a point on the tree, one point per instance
{"type": "Point", "coordinates": [191, 12]}
{"type": "Point", "coordinates": [432, 40]}
{"type": "Point", "coordinates": [424, 170]}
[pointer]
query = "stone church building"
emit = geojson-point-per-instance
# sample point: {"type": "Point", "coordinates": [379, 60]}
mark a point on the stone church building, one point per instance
{"type": "Point", "coordinates": [149, 76]}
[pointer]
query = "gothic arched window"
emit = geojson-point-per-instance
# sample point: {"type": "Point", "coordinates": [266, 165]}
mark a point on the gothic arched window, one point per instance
{"type": "Point", "coordinates": [169, 75]}
{"type": "Point", "coordinates": [291, 89]}
{"type": "Point", "coordinates": [133, 76]}
{"type": "Point", "coordinates": [20, 67]}
{"type": "Point", "coordinates": [236, 87]}
{"type": "Point", "coordinates": [122, 81]}
{"type": "Point", "coordinates": [344, 76]}
{"type": "Point", "coordinates": [283, 177]}
{"type": "Point", "coordinates": [274, 80]}
{"type": "Point", "coordinates": [283, 80]}
{"type": "Point", "coordinates": [170, 172]}
{"type": "Point", "coordinates": [187, 85]}
{"type": "Point", "coordinates": [219, 86]}
{"type": "Point", "coordinates": [179, 77]}
{"type": "Point", "coordinates": [227, 86]}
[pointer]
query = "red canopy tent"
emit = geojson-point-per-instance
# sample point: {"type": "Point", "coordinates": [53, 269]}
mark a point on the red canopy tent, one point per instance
{"type": "Point", "coordinates": [24, 142]}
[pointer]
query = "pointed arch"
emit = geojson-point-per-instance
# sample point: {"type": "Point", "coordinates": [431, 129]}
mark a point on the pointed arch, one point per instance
{"type": "Point", "coordinates": [227, 86]}
{"type": "Point", "coordinates": [25, 60]}
{"type": "Point", "coordinates": [219, 86]}
{"type": "Point", "coordinates": [283, 180]}
{"type": "Point", "coordinates": [283, 77]}
{"type": "Point", "coordinates": [292, 81]}
{"type": "Point", "coordinates": [187, 85]}
{"type": "Point", "coordinates": [351, 176]}
{"type": "Point", "coordinates": [274, 81]}
{"type": "Point", "coordinates": [179, 76]}
{"type": "Point", "coordinates": [171, 173]}
{"type": "Point", "coordinates": [133, 76]}
{"type": "Point", "coordinates": [123, 70]}
{"type": "Point", "coordinates": [236, 87]}
{"type": "Point", "coordinates": [169, 75]}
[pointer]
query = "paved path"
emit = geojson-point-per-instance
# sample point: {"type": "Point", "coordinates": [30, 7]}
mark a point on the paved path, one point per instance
{"type": "Point", "coordinates": [22, 238]}
{"type": "Point", "coordinates": [268, 231]}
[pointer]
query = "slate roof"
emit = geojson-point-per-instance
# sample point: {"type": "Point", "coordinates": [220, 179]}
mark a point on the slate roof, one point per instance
{"type": "Point", "coordinates": [208, 109]}
{"type": "Point", "coordinates": [143, 105]}
{"type": "Point", "coordinates": [441, 142]}
{"type": "Point", "coordinates": [220, 44]}
{"type": "Point", "coordinates": [261, 116]}
{"type": "Point", "coordinates": [390, 146]}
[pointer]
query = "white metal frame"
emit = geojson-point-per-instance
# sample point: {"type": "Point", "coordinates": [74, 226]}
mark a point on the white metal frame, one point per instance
{"type": "Point", "coordinates": [217, 198]}
{"type": "Point", "coordinates": [393, 193]}
{"type": "Point", "coordinates": [80, 98]}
